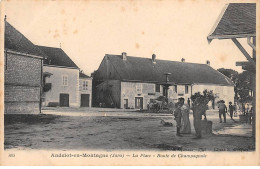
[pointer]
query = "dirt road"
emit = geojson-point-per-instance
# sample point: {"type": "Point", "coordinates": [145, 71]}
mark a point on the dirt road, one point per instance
{"type": "Point", "coordinates": [112, 130]}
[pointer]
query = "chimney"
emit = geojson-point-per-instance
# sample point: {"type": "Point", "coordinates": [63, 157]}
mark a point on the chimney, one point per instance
{"type": "Point", "coordinates": [153, 58]}
{"type": "Point", "coordinates": [208, 62]}
{"type": "Point", "coordinates": [182, 60]}
{"type": "Point", "coordinates": [124, 56]}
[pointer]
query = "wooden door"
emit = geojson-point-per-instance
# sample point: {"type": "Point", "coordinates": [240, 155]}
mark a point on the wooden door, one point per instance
{"type": "Point", "coordinates": [64, 100]}
{"type": "Point", "coordinates": [125, 103]}
{"type": "Point", "coordinates": [139, 103]}
{"type": "Point", "coordinates": [84, 100]}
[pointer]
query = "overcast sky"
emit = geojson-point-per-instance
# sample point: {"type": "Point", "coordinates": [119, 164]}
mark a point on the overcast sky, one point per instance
{"type": "Point", "coordinates": [87, 30]}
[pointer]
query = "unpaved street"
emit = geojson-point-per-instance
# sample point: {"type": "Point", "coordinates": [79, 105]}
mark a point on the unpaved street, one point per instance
{"type": "Point", "coordinates": [67, 129]}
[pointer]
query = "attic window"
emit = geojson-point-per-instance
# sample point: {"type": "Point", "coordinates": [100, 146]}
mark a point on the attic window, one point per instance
{"type": "Point", "coordinates": [157, 88]}
{"type": "Point", "coordinates": [138, 88]}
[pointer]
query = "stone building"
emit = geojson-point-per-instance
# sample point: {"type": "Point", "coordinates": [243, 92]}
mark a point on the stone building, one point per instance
{"type": "Point", "coordinates": [22, 73]}
{"type": "Point", "coordinates": [131, 82]}
{"type": "Point", "coordinates": [85, 90]}
{"type": "Point", "coordinates": [61, 79]}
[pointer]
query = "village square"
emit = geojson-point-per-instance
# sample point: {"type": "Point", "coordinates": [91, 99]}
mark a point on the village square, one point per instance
{"type": "Point", "coordinates": [132, 102]}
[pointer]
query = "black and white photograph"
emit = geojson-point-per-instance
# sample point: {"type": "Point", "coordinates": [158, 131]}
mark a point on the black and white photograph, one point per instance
{"type": "Point", "coordinates": [153, 82]}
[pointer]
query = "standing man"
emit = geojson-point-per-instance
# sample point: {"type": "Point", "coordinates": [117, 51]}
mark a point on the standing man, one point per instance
{"type": "Point", "coordinates": [231, 109]}
{"type": "Point", "coordinates": [222, 108]}
{"type": "Point", "coordinates": [177, 117]}
{"type": "Point", "coordinates": [188, 101]}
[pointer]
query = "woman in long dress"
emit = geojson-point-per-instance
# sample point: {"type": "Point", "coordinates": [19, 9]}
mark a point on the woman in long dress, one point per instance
{"type": "Point", "coordinates": [185, 122]}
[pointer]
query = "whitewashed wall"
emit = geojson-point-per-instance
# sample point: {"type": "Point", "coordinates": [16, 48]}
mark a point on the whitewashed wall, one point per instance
{"type": "Point", "coordinates": [88, 91]}
{"type": "Point", "coordinates": [72, 89]}
{"type": "Point", "coordinates": [225, 93]}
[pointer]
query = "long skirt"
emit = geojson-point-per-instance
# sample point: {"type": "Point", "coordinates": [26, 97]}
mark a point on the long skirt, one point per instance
{"type": "Point", "coordinates": [185, 124]}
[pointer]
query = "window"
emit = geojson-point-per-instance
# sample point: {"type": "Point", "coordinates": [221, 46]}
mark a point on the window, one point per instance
{"type": "Point", "coordinates": [157, 88]}
{"type": "Point", "coordinates": [138, 87]}
{"type": "Point", "coordinates": [85, 85]}
{"type": "Point", "coordinates": [186, 89]}
{"type": "Point", "coordinates": [64, 80]}
{"type": "Point", "coordinates": [175, 88]}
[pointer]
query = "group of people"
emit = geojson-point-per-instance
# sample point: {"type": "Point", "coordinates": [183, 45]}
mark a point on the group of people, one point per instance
{"type": "Point", "coordinates": [223, 110]}
{"type": "Point", "coordinates": [181, 115]}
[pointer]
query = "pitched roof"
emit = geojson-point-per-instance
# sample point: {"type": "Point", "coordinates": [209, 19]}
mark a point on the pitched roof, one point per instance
{"type": "Point", "coordinates": [16, 41]}
{"type": "Point", "coordinates": [144, 70]}
{"type": "Point", "coordinates": [83, 75]}
{"type": "Point", "coordinates": [236, 20]}
{"type": "Point", "coordinates": [57, 57]}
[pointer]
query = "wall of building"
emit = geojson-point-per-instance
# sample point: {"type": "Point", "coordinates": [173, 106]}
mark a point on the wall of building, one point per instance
{"type": "Point", "coordinates": [225, 93]}
{"type": "Point", "coordinates": [57, 88]}
{"type": "Point", "coordinates": [88, 90]}
{"type": "Point", "coordinates": [108, 92]}
{"type": "Point", "coordinates": [182, 93]}
{"type": "Point", "coordinates": [22, 84]}
{"type": "Point", "coordinates": [129, 91]}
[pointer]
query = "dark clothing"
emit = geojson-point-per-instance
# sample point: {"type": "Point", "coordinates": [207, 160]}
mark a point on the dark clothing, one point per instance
{"type": "Point", "coordinates": [198, 110]}
{"type": "Point", "coordinates": [188, 102]}
{"type": "Point", "coordinates": [178, 115]}
{"type": "Point", "coordinates": [222, 111]}
{"type": "Point", "coordinates": [231, 110]}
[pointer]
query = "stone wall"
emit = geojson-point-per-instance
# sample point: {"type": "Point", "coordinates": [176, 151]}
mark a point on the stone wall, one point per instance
{"type": "Point", "coordinates": [22, 84]}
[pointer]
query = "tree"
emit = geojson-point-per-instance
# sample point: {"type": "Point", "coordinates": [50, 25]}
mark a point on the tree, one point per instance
{"type": "Point", "coordinates": [200, 101]}
{"type": "Point", "coordinates": [244, 85]}
{"type": "Point", "coordinates": [233, 75]}
{"type": "Point", "coordinates": [230, 73]}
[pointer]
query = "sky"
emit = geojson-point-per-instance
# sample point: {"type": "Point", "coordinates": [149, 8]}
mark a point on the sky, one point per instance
{"type": "Point", "coordinates": [87, 30]}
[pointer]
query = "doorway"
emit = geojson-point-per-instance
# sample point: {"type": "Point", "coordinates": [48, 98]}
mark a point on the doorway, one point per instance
{"type": "Point", "coordinates": [64, 100]}
{"type": "Point", "coordinates": [125, 103]}
{"type": "Point", "coordinates": [139, 103]}
{"type": "Point", "coordinates": [84, 102]}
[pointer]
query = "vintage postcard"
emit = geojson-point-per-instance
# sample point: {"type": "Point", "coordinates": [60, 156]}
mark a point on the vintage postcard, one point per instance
{"type": "Point", "coordinates": [129, 82]}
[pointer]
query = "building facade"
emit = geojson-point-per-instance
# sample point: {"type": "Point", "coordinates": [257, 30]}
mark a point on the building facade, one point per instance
{"type": "Point", "coordinates": [131, 82]}
{"type": "Point", "coordinates": [61, 79]}
{"type": "Point", "coordinates": [22, 73]}
{"type": "Point", "coordinates": [85, 90]}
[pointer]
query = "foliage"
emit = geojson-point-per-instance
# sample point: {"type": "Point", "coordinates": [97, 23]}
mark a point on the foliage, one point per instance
{"type": "Point", "coordinates": [230, 73]}
{"type": "Point", "coordinates": [202, 99]}
{"type": "Point", "coordinates": [233, 75]}
{"type": "Point", "coordinates": [243, 83]}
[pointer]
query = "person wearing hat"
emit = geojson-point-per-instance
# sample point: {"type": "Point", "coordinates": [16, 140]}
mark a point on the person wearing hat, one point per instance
{"type": "Point", "coordinates": [222, 108]}
{"type": "Point", "coordinates": [231, 110]}
{"type": "Point", "coordinates": [177, 117]}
